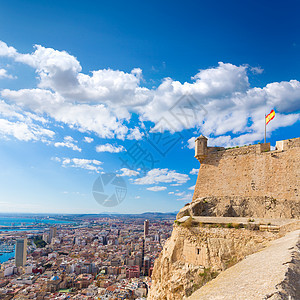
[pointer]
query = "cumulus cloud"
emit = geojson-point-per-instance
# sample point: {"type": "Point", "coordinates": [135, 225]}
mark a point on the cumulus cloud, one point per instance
{"type": "Point", "coordinates": [284, 95]}
{"type": "Point", "coordinates": [6, 50]}
{"type": "Point", "coordinates": [156, 188]}
{"type": "Point", "coordinates": [23, 131]}
{"type": "Point", "coordinates": [22, 125]}
{"type": "Point", "coordinates": [88, 139]}
{"type": "Point", "coordinates": [194, 171]}
{"type": "Point", "coordinates": [87, 164]}
{"type": "Point", "coordinates": [217, 102]}
{"type": "Point", "coordinates": [256, 70]}
{"type": "Point", "coordinates": [68, 142]}
{"type": "Point", "coordinates": [110, 148]}
{"type": "Point", "coordinates": [96, 118]}
{"type": "Point", "coordinates": [186, 197]}
{"type": "Point", "coordinates": [135, 134]}
{"type": "Point", "coordinates": [179, 194]}
{"type": "Point", "coordinates": [191, 142]}
{"type": "Point", "coordinates": [156, 176]}
{"type": "Point", "coordinates": [192, 187]}
{"type": "Point", "coordinates": [3, 74]}
{"type": "Point", "coordinates": [128, 172]}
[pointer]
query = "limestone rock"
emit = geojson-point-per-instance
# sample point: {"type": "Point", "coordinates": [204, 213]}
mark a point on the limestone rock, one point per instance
{"type": "Point", "coordinates": [193, 256]}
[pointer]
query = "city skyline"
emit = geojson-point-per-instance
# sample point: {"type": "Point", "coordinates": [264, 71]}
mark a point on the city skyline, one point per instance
{"type": "Point", "coordinates": [86, 88]}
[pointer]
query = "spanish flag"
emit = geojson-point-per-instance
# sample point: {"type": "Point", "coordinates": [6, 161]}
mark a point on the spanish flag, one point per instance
{"type": "Point", "coordinates": [270, 116]}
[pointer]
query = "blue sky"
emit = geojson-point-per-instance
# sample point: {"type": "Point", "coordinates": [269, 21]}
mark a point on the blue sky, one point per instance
{"type": "Point", "coordinates": [93, 87]}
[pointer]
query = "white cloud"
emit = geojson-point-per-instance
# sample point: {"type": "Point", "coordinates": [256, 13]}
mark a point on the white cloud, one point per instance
{"type": "Point", "coordinates": [24, 131]}
{"type": "Point", "coordinates": [68, 142]}
{"type": "Point", "coordinates": [137, 197]}
{"type": "Point", "coordinates": [192, 187]}
{"type": "Point", "coordinates": [88, 139]}
{"type": "Point", "coordinates": [285, 95]}
{"type": "Point", "coordinates": [194, 171]}
{"type": "Point", "coordinates": [128, 172]}
{"type": "Point", "coordinates": [180, 194]}
{"type": "Point", "coordinates": [6, 50]}
{"type": "Point", "coordinates": [191, 142]}
{"type": "Point", "coordinates": [135, 134]}
{"type": "Point", "coordinates": [87, 164]}
{"type": "Point", "coordinates": [186, 197]}
{"type": "Point", "coordinates": [156, 188]}
{"type": "Point", "coordinates": [83, 117]}
{"type": "Point", "coordinates": [22, 125]}
{"type": "Point", "coordinates": [256, 70]}
{"type": "Point", "coordinates": [110, 148]}
{"type": "Point", "coordinates": [11, 111]}
{"type": "Point", "coordinates": [3, 74]}
{"type": "Point", "coordinates": [183, 195]}
{"type": "Point", "coordinates": [155, 176]}
{"type": "Point", "coordinates": [217, 102]}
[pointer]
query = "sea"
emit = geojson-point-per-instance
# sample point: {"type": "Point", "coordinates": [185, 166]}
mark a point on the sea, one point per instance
{"type": "Point", "coordinates": [17, 221]}
{"type": "Point", "coordinates": [24, 221]}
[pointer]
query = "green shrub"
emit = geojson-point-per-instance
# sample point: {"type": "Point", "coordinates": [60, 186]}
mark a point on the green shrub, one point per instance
{"type": "Point", "coordinates": [208, 275]}
{"type": "Point", "coordinates": [177, 222]}
{"type": "Point", "coordinates": [189, 223]}
{"type": "Point", "coordinates": [237, 225]}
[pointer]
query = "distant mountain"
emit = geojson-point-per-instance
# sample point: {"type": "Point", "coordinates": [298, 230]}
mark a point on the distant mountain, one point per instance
{"type": "Point", "coordinates": [145, 215]}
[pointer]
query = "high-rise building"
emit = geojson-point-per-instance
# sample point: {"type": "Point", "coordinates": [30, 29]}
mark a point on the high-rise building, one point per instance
{"type": "Point", "coordinates": [157, 238]}
{"type": "Point", "coordinates": [53, 231]}
{"type": "Point", "coordinates": [104, 240]}
{"type": "Point", "coordinates": [21, 252]}
{"type": "Point", "coordinates": [146, 228]}
{"type": "Point", "coordinates": [146, 265]}
{"type": "Point", "coordinates": [46, 237]}
{"type": "Point", "coordinates": [143, 252]}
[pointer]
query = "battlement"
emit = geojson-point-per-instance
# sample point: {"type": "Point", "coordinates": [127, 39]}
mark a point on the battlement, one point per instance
{"type": "Point", "coordinates": [287, 144]}
{"type": "Point", "coordinates": [203, 152]}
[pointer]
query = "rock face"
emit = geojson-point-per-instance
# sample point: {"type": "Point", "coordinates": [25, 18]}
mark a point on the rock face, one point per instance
{"type": "Point", "coordinates": [195, 255]}
{"type": "Point", "coordinates": [273, 273]}
{"type": "Point", "coordinates": [250, 181]}
{"type": "Point", "coordinates": [235, 206]}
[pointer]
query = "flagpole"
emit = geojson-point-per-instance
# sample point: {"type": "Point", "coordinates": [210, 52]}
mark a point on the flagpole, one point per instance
{"type": "Point", "coordinates": [265, 129]}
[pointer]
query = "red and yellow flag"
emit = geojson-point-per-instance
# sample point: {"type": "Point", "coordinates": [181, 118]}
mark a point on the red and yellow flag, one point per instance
{"type": "Point", "coordinates": [270, 116]}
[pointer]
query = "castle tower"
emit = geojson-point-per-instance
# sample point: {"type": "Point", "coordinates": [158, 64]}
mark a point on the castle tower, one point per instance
{"type": "Point", "coordinates": [201, 148]}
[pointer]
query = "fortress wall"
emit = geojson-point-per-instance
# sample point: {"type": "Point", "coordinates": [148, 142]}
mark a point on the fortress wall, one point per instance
{"type": "Point", "coordinates": [252, 172]}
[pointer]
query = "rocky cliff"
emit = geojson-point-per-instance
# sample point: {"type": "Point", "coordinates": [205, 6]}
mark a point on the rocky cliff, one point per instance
{"type": "Point", "coordinates": [195, 255]}
{"type": "Point", "coordinates": [272, 274]}
{"type": "Point", "coordinates": [251, 182]}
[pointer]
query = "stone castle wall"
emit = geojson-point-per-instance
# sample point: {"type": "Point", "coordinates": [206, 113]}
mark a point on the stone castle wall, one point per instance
{"type": "Point", "coordinates": [252, 172]}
